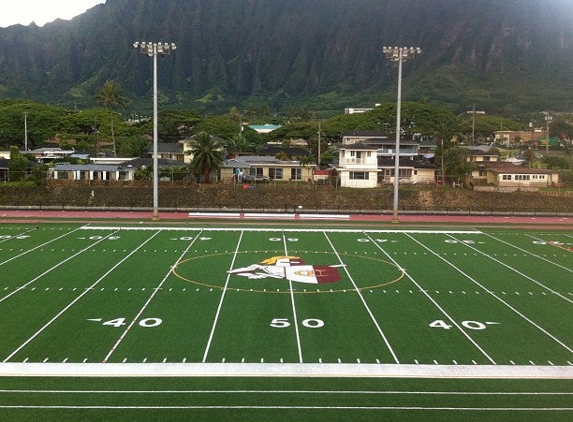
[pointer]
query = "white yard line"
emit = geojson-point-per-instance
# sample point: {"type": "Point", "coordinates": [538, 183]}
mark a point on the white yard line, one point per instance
{"type": "Point", "coordinates": [515, 270]}
{"type": "Point", "coordinates": [380, 331]}
{"type": "Point", "coordinates": [310, 392]}
{"type": "Point", "coordinates": [274, 229]}
{"type": "Point", "coordinates": [530, 253]}
{"type": "Point", "coordinates": [146, 304]}
{"type": "Point", "coordinates": [73, 302]}
{"type": "Point", "coordinates": [251, 407]}
{"type": "Point", "coordinates": [54, 267]}
{"type": "Point", "coordinates": [220, 306]}
{"type": "Point", "coordinates": [294, 313]}
{"type": "Point", "coordinates": [305, 370]}
{"type": "Point", "coordinates": [435, 303]}
{"type": "Point", "coordinates": [492, 294]}
{"type": "Point", "coordinates": [37, 247]}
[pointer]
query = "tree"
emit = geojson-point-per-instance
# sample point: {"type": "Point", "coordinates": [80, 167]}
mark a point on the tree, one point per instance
{"type": "Point", "coordinates": [207, 155]}
{"type": "Point", "coordinates": [238, 144]}
{"type": "Point", "coordinates": [454, 160]}
{"type": "Point", "coordinates": [111, 96]}
{"type": "Point", "coordinates": [556, 162]}
{"type": "Point", "coordinates": [18, 164]}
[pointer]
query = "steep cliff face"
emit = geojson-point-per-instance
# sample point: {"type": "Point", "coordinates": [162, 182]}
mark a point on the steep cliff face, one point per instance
{"type": "Point", "coordinates": [284, 52]}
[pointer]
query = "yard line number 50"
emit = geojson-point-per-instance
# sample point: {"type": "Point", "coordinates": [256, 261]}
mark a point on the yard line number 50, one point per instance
{"type": "Point", "coordinates": [307, 323]}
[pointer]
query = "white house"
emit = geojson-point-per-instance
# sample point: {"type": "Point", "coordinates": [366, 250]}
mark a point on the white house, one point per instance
{"type": "Point", "coordinates": [363, 160]}
{"type": "Point", "coordinates": [358, 166]}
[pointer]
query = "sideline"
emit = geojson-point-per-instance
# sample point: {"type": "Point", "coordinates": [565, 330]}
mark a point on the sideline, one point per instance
{"type": "Point", "coordinates": [305, 370]}
{"type": "Point", "coordinates": [33, 216]}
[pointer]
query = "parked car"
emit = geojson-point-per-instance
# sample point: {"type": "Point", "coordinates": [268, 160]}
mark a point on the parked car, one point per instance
{"type": "Point", "coordinates": [256, 178]}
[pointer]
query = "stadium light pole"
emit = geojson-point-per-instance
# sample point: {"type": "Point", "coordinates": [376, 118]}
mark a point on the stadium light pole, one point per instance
{"type": "Point", "coordinates": [153, 49]}
{"type": "Point", "coordinates": [400, 55]}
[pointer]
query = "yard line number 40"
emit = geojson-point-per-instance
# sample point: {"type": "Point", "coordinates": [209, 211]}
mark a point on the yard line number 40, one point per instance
{"type": "Point", "coordinates": [472, 325]}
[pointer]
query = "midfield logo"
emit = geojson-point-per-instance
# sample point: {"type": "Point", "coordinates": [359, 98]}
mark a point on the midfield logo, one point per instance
{"type": "Point", "coordinates": [290, 268]}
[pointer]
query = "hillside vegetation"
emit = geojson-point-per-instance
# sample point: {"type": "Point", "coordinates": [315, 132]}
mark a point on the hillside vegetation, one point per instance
{"type": "Point", "coordinates": [507, 56]}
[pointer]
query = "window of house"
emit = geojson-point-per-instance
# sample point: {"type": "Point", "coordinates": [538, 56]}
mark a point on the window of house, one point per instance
{"type": "Point", "coordinates": [359, 175]}
{"type": "Point", "coordinates": [256, 171]}
{"type": "Point", "coordinates": [296, 174]}
{"type": "Point", "coordinates": [276, 173]}
{"type": "Point", "coordinates": [405, 172]}
{"type": "Point", "coordinates": [506, 176]}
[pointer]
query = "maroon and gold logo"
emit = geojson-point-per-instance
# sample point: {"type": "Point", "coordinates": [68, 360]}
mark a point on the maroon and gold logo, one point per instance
{"type": "Point", "coordinates": [291, 268]}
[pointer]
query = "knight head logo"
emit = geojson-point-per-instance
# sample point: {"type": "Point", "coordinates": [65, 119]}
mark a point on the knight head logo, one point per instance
{"type": "Point", "coordinates": [291, 268]}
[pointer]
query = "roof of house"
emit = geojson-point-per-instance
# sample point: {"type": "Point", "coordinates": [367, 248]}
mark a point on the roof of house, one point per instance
{"type": "Point", "coordinates": [503, 167]}
{"type": "Point", "coordinates": [376, 144]}
{"type": "Point", "coordinates": [148, 162]}
{"type": "Point", "coordinates": [163, 147]}
{"type": "Point", "coordinates": [477, 151]}
{"type": "Point", "coordinates": [247, 161]}
{"type": "Point", "coordinates": [266, 127]}
{"type": "Point", "coordinates": [373, 133]}
{"type": "Point", "coordinates": [273, 150]}
{"type": "Point", "coordinates": [86, 167]}
{"type": "Point", "coordinates": [404, 162]}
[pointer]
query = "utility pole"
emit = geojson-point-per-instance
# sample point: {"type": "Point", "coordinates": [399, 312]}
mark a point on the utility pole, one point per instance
{"type": "Point", "coordinates": [25, 131]}
{"type": "Point", "coordinates": [318, 153]}
{"type": "Point", "coordinates": [473, 113]}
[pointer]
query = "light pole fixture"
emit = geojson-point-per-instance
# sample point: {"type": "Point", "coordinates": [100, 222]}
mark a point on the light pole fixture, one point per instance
{"type": "Point", "coordinates": [398, 54]}
{"type": "Point", "coordinates": [153, 49]}
{"type": "Point", "coordinates": [548, 119]}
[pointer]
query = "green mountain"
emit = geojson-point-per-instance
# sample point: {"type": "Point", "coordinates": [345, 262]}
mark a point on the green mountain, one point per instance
{"type": "Point", "coordinates": [506, 56]}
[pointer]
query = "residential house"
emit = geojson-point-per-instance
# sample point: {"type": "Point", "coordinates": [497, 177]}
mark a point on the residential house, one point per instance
{"type": "Point", "coordinates": [91, 172]}
{"type": "Point", "coordinates": [170, 151]}
{"type": "Point", "coordinates": [510, 177]}
{"type": "Point", "coordinates": [264, 168]}
{"type": "Point", "coordinates": [386, 147]}
{"type": "Point", "coordinates": [48, 154]}
{"type": "Point", "coordinates": [366, 160]}
{"type": "Point", "coordinates": [177, 151]}
{"type": "Point", "coordinates": [358, 165]}
{"type": "Point", "coordinates": [520, 137]}
{"type": "Point", "coordinates": [481, 158]}
{"type": "Point", "coordinates": [410, 171]}
{"type": "Point", "coordinates": [124, 171]}
{"type": "Point", "coordinates": [482, 155]}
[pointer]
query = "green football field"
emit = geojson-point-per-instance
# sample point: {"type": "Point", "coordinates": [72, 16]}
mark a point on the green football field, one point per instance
{"type": "Point", "coordinates": [174, 322]}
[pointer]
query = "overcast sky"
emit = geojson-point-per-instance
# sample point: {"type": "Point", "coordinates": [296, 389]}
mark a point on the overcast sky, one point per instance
{"type": "Point", "coordinates": [42, 11]}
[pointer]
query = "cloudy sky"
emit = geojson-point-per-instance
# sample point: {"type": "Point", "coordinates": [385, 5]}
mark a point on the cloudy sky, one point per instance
{"type": "Point", "coordinates": [42, 11]}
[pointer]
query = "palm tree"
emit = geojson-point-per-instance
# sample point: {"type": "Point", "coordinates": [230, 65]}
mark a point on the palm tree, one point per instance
{"type": "Point", "coordinates": [207, 155]}
{"type": "Point", "coordinates": [238, 144]}
{"type": "Point", "coordinates": [111, 96]}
